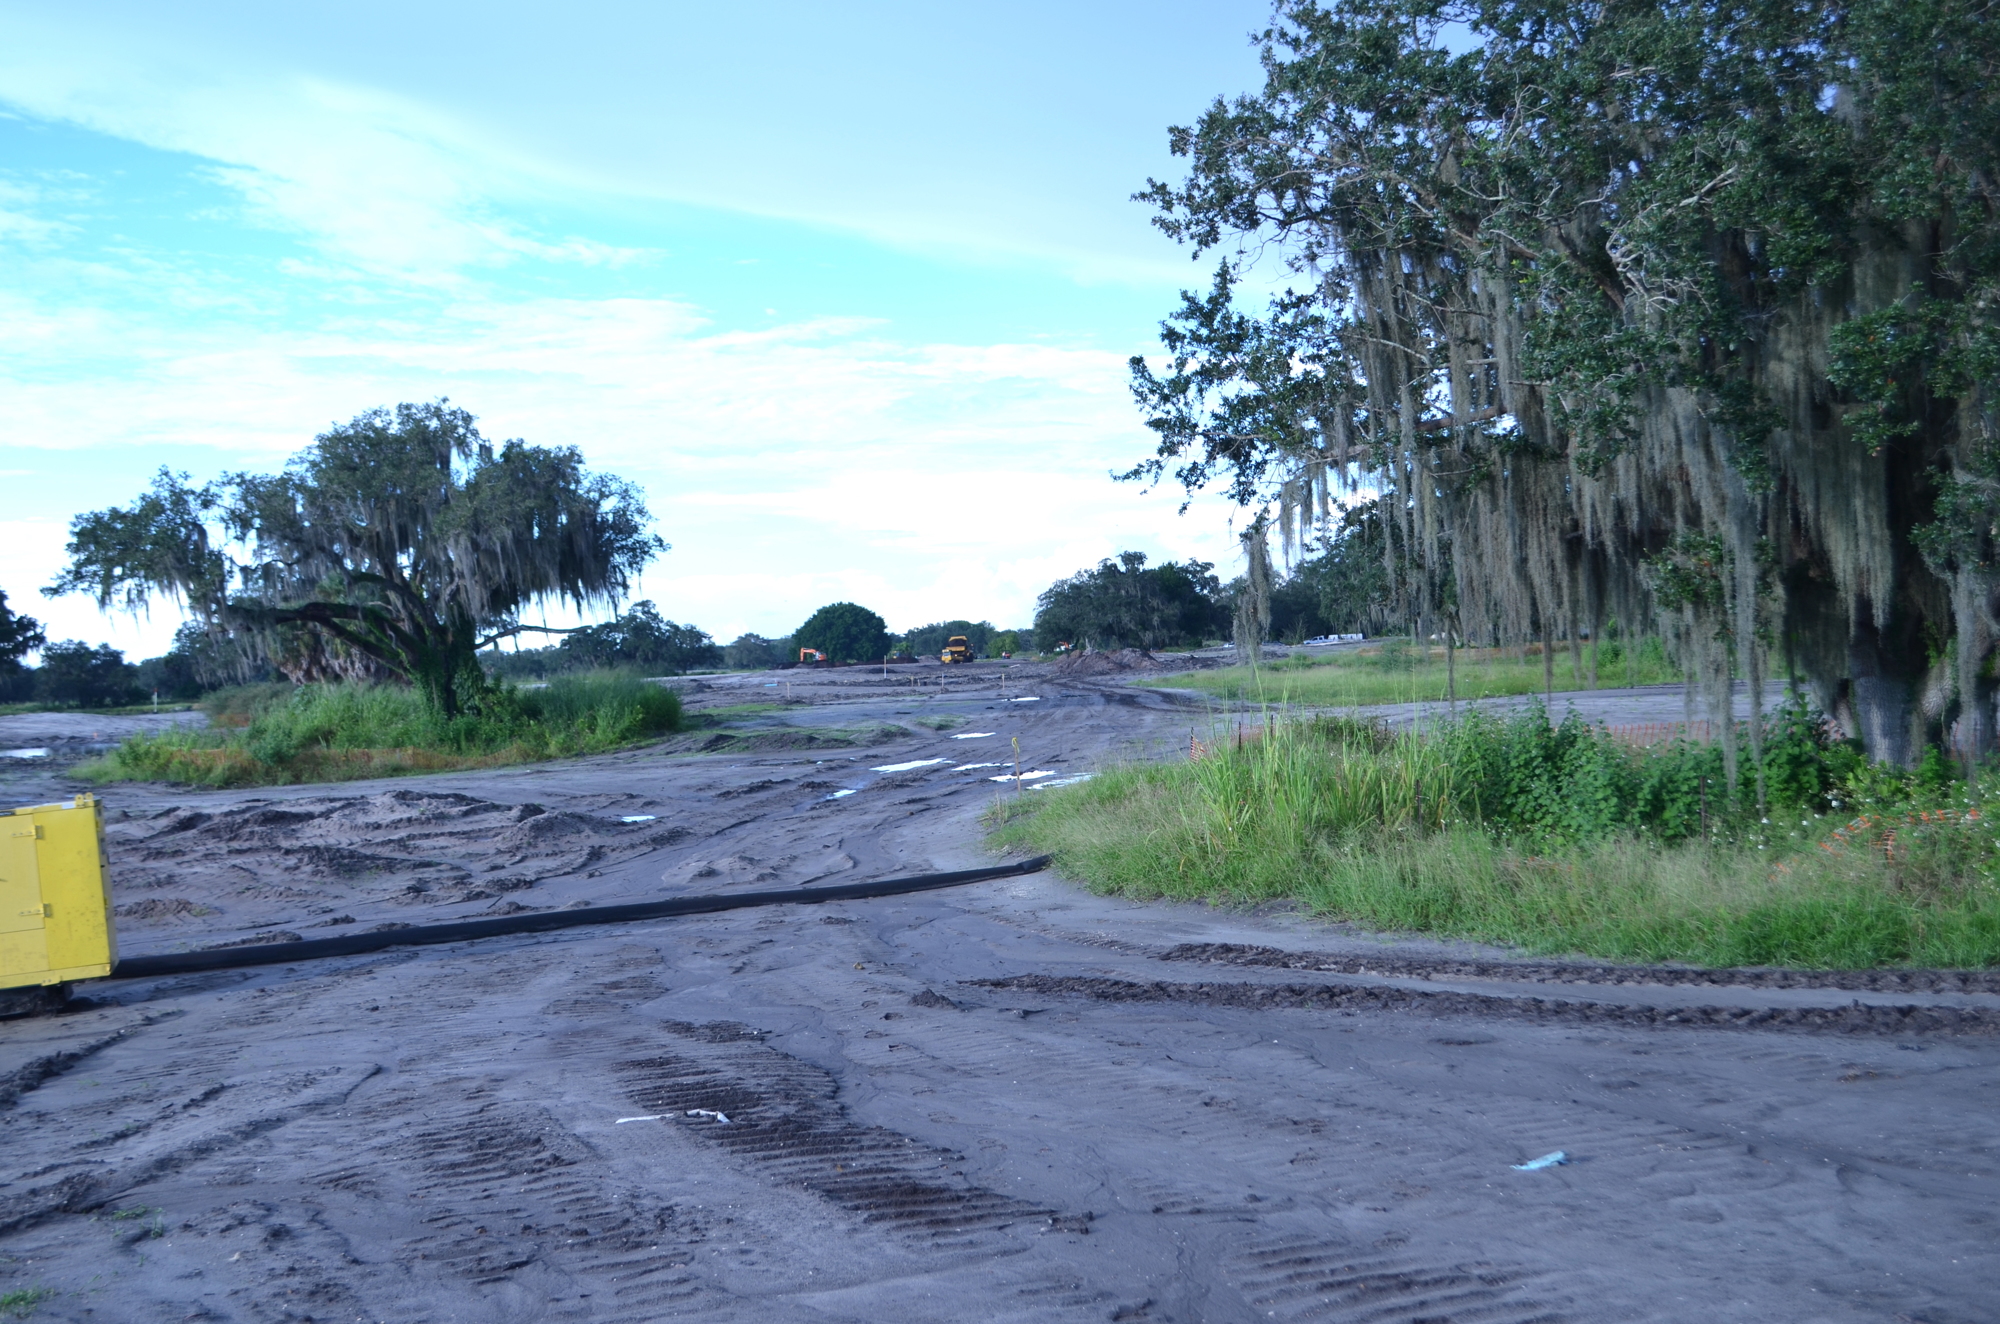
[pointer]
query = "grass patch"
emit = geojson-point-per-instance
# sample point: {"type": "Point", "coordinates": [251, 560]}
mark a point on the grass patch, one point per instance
{"type": "Point", "coordinates": [1398, 672]}
{"type": "Point", "coordinates": [1555, 839]}
{"type": "Point", "coordinates": [278, 735]}
{"type": "Point", "coordinates": [21, 1302]}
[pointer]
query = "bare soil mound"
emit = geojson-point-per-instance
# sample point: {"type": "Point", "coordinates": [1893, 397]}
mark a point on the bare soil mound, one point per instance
{"type": "Point", "coordinates": [1116, 662]}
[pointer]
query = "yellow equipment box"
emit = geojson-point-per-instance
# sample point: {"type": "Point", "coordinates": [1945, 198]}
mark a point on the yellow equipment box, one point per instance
{"type": "Point", "coordinates": [55, 895]}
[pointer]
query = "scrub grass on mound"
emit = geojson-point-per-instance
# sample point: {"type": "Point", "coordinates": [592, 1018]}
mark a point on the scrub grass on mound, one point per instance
{"type": "Point", "coordinates": [279, 735]}
{"type": "Point", "coordinates": [1397, 672]}
{"type": "Point", "coordinates": [1552, 839]}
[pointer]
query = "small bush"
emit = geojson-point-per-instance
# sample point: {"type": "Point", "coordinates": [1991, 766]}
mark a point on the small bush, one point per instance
{"type": "Point", "coordinates": [237, 704]}
{"type": "Point", "coordinates": [21, 1301]}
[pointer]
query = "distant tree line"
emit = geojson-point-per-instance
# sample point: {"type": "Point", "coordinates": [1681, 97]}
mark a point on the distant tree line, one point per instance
{"type": "Point", "coordinates": [75, 674]}
{"type": "Point", "coordinates": [1340, 586]}
{"type": "Point", "coordinates": [1124, 604]}
{"type": "Point", "coordinates": [639, 640]}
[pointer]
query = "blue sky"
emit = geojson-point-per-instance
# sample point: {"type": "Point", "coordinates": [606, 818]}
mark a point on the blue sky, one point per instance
{"type": "Point", "coordinates": [848, 289]}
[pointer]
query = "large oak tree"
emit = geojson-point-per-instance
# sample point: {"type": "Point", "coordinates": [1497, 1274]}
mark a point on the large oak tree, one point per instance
{"type": "Point", "coordinates": [1682, 314]}
{"type": "Point", "coordinates": [398, 544]}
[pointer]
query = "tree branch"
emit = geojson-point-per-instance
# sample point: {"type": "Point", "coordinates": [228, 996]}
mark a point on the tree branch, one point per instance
{"type": "Point", "coordinates": [498, 635]}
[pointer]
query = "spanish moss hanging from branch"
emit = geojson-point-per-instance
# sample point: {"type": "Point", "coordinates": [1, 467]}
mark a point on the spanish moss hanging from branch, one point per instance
{"type": "Point", "coordinates": [1679, 316]}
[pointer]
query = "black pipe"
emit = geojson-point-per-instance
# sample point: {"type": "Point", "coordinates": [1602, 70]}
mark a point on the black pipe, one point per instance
{"type": "Point", "coordinates": [280, 953]}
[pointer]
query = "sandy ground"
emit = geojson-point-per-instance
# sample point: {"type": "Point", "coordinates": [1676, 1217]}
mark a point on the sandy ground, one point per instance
{"type": "Point", "coordinates": [1012, 1101]}
{"type": "Point", "coordinates": [39, 741]}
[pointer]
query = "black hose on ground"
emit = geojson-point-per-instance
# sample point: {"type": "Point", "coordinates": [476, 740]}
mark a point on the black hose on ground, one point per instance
{"type": "Point", "coordinates": [351, 944]}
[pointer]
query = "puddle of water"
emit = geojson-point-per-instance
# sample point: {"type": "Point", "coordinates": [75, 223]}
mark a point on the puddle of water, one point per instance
{"type": "Point", "coordinates": [974, 735]}
{"type": "Point", "coordinates": [966, 766]}
{"type": "Point", "coordinates": [1026, 776]}
{"type": "Point", "coordinates": [638, 818]}
{"type": "Point", "coordinates": [1063, 781]}
{"type": "Point", "coordinates": [905, 767]}
{"type": "Point", "coordinates": [836, 795]}
{"type": "Point", "coordinates": [23, 753]}
{"type": "Point", "coordinates": [1032, 698]}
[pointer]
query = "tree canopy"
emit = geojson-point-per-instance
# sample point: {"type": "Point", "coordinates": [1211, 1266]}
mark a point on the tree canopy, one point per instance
{"type": "Point", "coordinates": [642, 638]}
{"type": "Point", "coordinates": [845, 632]}
{"type": "Point", "coordinates": [74, 674]}
{"type": "Point", "coordinates": [1123, 604]}
{"type": "Point", "coordinates": [19, 636]}
{"type": "Point", "coordinates": [1339, 584]}
{"type": "Point", "coordinates": [1683, 314]}
{"type": "Point", "coordinates": [753, 652]}
{"type": "Point", "coordinates": [395, 545]}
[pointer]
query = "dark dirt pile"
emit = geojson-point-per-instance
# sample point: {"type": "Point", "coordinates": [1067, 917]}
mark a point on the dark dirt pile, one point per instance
{"type": "Point", "coordinates": [1117, 662]}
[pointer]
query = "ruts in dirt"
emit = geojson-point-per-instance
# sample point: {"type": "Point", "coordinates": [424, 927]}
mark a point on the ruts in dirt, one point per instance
{"type": "Point", "coordinates": [1009, 1102]}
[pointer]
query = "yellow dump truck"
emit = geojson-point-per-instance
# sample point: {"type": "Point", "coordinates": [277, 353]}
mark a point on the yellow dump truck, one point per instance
{"type": "Point", "coordinates": [955, 649]}
{"type": "Point", "coordinates": [55, 896]}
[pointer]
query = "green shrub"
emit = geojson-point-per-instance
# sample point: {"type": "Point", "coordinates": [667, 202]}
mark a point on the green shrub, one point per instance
{"type": "Point", "coordinates": [282, 734]}
{"type": "Point", "coordinates": [21, 1301]}
{"type": "Point", "coordinates": [1556, 838]}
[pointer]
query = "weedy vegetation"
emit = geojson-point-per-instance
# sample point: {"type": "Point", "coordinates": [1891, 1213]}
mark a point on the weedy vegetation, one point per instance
{"type": "Point", "coordinates": [1398, 672]}
{"type": "Point", "coordinates": [280, 734]}
{"type": "Point", "coordinates": [21, 1302]}
{"type": "Point", "coordinates": [1556, 838]}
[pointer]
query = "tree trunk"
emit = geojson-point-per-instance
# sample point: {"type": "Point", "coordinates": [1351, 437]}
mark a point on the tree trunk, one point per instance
{"type": "Point", "coordinates": [1575, 644]}
{"type": "Point", "coordinates": [1450, 667]}
{"type": "Point", "coordinates": [1886, 676]}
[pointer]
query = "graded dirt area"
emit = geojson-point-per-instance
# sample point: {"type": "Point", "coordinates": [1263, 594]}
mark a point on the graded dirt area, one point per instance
{"type": "Point", "coordinates": [1010, 1101]}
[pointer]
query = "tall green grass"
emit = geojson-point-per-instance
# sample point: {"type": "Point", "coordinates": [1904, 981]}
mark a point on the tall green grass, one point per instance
{"type": "Point", "coordinates": [1397, 672]}
{"type": "Point", "coordinates": [1555, 839]}
{"type": "Point", "coordinates": [266, 735]}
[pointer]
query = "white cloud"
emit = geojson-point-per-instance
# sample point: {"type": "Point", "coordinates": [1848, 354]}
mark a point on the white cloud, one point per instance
{"type": "Point", "coordinates": [789, 467]}
{"type": "Point", "coordinates": [24, 219]}
{"type": "Point", "coordinates": [393, 172]}
{"type": "Point", "coordinates": [804, 461]}
{"type": "Point", "coordinates": [380, 183]}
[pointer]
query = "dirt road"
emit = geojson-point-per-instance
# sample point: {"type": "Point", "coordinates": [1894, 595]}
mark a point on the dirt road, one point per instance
{"type": "Point", "coordinates": [1011, 1101]}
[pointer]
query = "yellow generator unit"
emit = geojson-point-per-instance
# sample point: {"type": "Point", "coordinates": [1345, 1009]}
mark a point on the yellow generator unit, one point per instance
{"type": "Point", "coordinates": [55, 895]}
{"type": "Point", "coordinates": [956, 650]}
